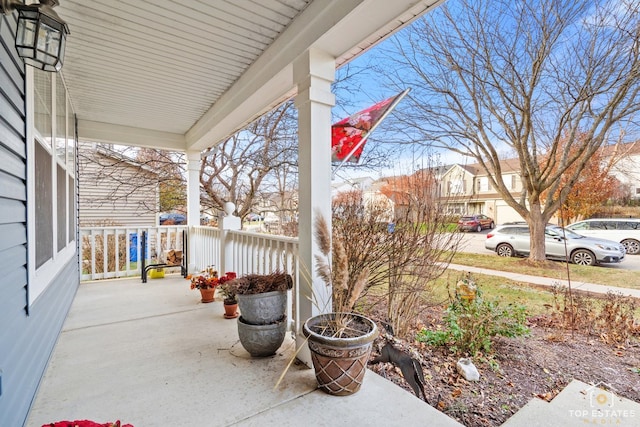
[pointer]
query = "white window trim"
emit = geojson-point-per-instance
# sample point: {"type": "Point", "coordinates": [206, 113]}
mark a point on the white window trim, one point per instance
{"type": "Point", "coordinates": [39, 279]}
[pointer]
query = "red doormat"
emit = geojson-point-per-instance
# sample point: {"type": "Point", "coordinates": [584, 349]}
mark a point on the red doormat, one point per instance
{"type": "Point", "coordinates": [85, 423]}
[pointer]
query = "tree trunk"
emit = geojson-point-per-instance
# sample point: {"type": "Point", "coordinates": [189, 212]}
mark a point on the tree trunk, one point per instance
{"type": "Point", "coordinates": [537, 224]}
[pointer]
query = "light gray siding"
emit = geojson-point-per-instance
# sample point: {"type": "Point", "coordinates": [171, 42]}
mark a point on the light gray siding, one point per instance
{"type": "Point", "coordinates": [27, 334]}
{"type": "Point", "coordinates": [114, 192]}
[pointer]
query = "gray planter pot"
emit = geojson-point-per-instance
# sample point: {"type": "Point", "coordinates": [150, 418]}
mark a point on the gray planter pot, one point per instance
{"type": "Point", "coordinates": [264, 308]}
{"type": "Point", "coordinates": [339, 363]}
{"type": "Point", "coordinates": [262, 340]}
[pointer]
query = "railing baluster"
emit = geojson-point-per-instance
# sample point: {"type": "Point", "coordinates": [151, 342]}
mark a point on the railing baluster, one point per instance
{"type": "Point", "coordinates": [251, 253]}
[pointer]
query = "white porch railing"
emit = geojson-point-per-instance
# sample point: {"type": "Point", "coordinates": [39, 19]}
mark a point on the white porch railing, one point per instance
{"type": "Point", "coordinates": [245, 252]}
{"type": "Point", "coordinates": [110, 252]}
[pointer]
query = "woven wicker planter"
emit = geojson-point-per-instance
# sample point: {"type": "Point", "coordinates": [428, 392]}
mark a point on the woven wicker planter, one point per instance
{"type": "Point", "coordinates": [339, 363]}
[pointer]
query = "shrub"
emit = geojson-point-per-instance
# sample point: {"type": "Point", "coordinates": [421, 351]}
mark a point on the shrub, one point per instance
{"type": "Point", "coordinates": [610, 317]}
{"type": "Point", "coordinates": [471, 325]}
{"type": "Point", "coordinates": [399, 248]}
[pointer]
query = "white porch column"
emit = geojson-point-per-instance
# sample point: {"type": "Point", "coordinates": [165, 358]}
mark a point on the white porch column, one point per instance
{"type": "Point", "coordinates": [313, 72]}
{"type": "Point", "coordinates": [193, 200]}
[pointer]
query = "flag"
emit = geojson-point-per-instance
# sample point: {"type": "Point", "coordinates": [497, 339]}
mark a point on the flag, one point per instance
{"type": "Point", "coordinates": [348, 135]}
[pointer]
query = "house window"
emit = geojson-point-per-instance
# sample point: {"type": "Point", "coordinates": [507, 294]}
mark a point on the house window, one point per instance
{"type": "Point", "coordinates": [484, 184]}
{"type": "Point", "coordinates": [456, 186]}
{"type": "Point", "coordinates": [51, 186]}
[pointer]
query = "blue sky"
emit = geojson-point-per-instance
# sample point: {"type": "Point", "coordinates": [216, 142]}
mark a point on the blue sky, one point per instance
{"type": "Point", "coordinates": [370, 88]}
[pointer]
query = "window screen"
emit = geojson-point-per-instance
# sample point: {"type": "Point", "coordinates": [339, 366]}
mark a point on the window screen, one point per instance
{"type": "Point", "coordinates": [62, 208]}
{"type": "Point", "coordinates": [43, 205]}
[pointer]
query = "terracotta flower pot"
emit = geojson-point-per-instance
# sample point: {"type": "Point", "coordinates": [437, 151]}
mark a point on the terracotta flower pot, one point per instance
{"type": "Point", "coordinates": [208, 295]}
{"type": "Point", "coordinates": [230, 311]}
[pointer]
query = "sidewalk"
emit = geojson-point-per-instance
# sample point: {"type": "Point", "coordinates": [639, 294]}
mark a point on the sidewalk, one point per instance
{"type": "Point", "coordinates": [549, 281]}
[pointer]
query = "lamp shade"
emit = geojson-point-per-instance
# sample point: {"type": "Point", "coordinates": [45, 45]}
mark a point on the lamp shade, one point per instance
{"type": "Point", "coordinates": [41, 36]}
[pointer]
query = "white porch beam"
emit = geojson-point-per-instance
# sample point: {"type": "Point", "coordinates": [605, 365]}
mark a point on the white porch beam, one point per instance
{"type": "Point", "coordinates": [126, 135]}
{"type": "Point", "coordinates": [333, 26]}
{"type": "Point", "coordinates": [314, 71]}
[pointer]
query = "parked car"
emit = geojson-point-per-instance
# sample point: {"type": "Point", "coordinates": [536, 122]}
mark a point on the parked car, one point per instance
{"type": "Point", "coordinates": [254, 217]}
{"type": "Point", "coordinates": [476, 222]}
{"type": "Point", "coordinates": [172, 219]}
{"type": "Point", "coordinates": [623, 230]}
{"type": "Point", "coordinates": [560, 244]}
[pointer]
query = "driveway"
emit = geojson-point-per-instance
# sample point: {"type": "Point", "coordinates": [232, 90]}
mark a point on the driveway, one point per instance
{"type": "Point", "coordinates": [473, 242]}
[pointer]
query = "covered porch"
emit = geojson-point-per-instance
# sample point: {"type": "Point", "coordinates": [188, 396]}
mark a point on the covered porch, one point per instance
{"type": "Point", "coordinates": [184, 76]}
{"type": "Point", "coordinates": [153, 355]}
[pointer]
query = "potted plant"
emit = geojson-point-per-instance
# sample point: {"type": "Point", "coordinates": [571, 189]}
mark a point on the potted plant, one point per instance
{"type": "Point", "coordinates": [206, 282]}
{"type": "Point", "coordinates": [230, 301]}
{"type": "Point", "coordinates": [262, 300]}
{"type": "Point", "coordinates": [340, 342]}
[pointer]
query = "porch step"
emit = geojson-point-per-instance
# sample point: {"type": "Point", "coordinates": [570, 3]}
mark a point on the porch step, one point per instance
{"type": "Point", "coordinates": [586, 397]}
{"type": "Point", "coordinates": [536, 413]}
{"type": "Point", "coordinates": [577, 404]}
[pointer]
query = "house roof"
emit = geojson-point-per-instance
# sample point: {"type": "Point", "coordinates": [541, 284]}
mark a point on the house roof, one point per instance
{"type": "Point", "coordinates": [631, 148]}
{"type": "Point", "coordinates": [507, 166]}
{"type": "Point", "coordinates": [121, 158]}
{"type": "Point", "coordinates": [185, 74]}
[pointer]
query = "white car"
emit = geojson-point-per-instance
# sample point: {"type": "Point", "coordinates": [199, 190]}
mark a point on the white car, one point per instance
{"type": "Point", "coordinates": [623, 230]}
{"type": "Point", "coordinates": [560, 244]}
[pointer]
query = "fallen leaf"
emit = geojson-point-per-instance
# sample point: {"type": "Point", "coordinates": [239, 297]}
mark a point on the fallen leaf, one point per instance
{"type": "Point", "coordinates": [456, 393]}
{"type": "Point", "coordinates": [546, 396]}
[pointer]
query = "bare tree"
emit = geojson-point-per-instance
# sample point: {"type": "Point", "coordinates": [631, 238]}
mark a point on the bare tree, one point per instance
{"type": "Point", "coordinates": [550, 79]}
{"type": "Point", "coordinates": [237, 169]}
{"type": "Point", "coordinates": [170, 168]}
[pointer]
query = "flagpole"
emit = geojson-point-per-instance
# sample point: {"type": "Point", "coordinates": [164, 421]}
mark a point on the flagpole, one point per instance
{"type": "Point", "coordinates": [363, 140]}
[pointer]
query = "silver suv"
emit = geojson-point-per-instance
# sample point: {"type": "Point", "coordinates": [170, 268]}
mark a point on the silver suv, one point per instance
{"type": "Point", "coordinates": [513, 240]}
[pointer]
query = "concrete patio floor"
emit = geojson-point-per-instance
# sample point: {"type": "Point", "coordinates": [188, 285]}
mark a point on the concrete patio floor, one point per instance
{"type": "Point", "coordinates": [153, 355]}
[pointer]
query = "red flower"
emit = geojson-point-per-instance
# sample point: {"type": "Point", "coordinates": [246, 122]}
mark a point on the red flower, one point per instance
{"type": "Point", "coordinates": [230, 275]}
{"type": "Point", "coordinates": [209, 279]}
{"type": "Point", "coordinates": [85, 423]}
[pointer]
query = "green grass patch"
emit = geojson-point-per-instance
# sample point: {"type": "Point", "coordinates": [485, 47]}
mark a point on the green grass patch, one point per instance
{"type": "Point", "coordinates": [506, 290]}
{"type": "Point", "coordinates": [552, 269]}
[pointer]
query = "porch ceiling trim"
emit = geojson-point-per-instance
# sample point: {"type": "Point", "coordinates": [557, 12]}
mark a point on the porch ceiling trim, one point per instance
{"type": "Point", "coordinates": [186, 74]}
{"type": "Point", "coordinates": [128, 135]}
{"type": "Point", "coordinates": [343, 29]}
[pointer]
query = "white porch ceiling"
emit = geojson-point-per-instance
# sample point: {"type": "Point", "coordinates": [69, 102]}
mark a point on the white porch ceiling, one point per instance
{"type": "Point", "coordinates": [185, 74]}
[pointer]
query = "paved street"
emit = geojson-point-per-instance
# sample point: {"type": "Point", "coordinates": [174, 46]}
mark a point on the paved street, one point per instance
{"type": "Point", "coordinates": [474, 242]}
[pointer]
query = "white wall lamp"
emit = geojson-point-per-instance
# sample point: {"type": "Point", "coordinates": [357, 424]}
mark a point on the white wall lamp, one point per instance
{"type": "Point", "coordinates": [40, 35]}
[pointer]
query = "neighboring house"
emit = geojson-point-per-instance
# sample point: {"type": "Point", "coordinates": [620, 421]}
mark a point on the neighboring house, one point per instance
{"type": "Point", "coordinates": [626, 166]}
{"type": "Point", "coordinates": [355, 184]}
{"type": "Point", "coordinates": [467, 189]}
{"type": "Point", "coordinates": [115, 190]}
